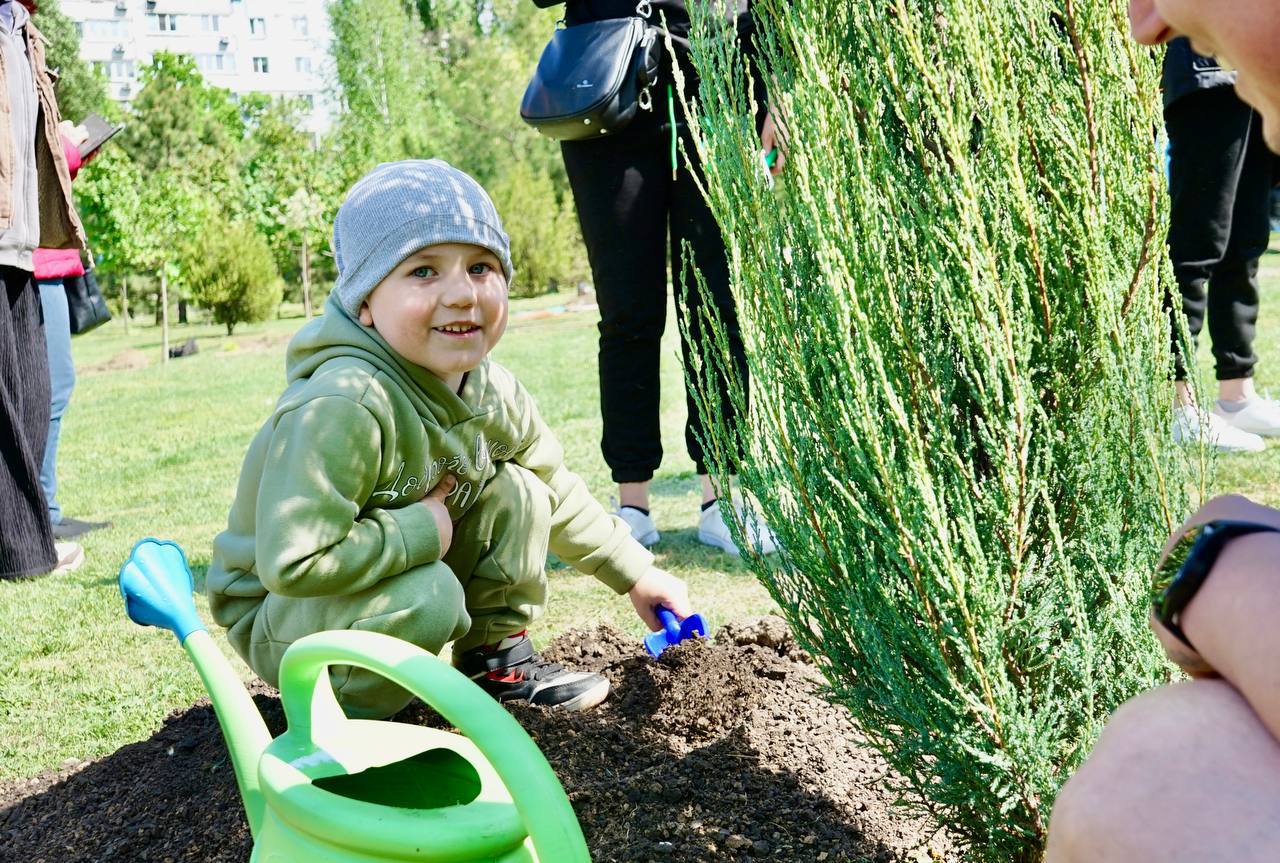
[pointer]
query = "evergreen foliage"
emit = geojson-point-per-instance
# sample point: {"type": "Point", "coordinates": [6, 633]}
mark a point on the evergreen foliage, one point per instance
{"type": "Point", "coordinates": [233, 275]}
{"type": "Point", "coordinates": [961, 376]}
{"type": "Point", "coordinates": [546, 249]}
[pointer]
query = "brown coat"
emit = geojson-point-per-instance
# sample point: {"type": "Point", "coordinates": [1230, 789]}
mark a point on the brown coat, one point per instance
{"type": "Point", "coordinates": [60, 226]}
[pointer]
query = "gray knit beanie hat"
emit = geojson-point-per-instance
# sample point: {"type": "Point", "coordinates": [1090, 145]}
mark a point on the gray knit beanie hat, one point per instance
{"type": "Point", "coordinates": [401, 207]}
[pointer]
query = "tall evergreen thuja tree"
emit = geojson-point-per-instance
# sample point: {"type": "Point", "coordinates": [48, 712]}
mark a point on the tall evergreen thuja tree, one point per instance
{"type": "Point", "coordinates": [961, 383]}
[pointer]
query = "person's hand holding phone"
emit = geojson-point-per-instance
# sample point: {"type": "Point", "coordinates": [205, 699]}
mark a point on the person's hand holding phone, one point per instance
{"type": "Point", "coordinates": [74, 133]}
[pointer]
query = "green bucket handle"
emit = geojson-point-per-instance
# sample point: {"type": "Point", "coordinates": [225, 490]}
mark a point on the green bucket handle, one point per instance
{"type": "Point", "coordinates": [310, 707]}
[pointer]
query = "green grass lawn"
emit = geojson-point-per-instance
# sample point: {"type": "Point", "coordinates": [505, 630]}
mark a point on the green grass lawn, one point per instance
{"type": "Point", "coordinates": [156, 450]}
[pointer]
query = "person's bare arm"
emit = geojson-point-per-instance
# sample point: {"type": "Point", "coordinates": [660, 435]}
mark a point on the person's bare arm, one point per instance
{"type": "Point", "coordinates": [1234, 619]}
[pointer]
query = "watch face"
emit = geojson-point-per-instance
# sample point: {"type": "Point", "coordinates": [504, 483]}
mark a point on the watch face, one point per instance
{"type": "Point", "coordinates": [1167, 571]}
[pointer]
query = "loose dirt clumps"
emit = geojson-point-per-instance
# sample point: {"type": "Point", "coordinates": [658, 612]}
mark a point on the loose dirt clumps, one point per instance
{"type": "Point", "coordinates": [719, 751]}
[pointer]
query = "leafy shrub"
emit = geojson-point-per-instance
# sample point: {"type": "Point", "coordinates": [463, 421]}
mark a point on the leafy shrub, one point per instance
{"type": "Point", "coordinates": [233, 274]}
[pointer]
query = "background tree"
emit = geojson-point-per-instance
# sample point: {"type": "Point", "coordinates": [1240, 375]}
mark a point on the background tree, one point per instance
{"type": "Point", "coordinates": [546, 247]}
{"type": "Point", "coordinates": [961, 376]}
{"type": "Point", "coordinates": [452, 91]}
{"type": "Point", "coordinates": [183, 131]}
{"type": "Point", "coordinates": [277, 160]}
{"type": "Point", "coordinates": [79, 88]}
{"type": "Point", "coordinates": [109, 197]}
{"type": "Point", "coordinates": [302, 218]}
{"type": "Point", "coordinates": [179, 123]}
{"type": "Point", "coordinates": [386, 78]}
{"type": "Point", "coordinates": [233, 275]}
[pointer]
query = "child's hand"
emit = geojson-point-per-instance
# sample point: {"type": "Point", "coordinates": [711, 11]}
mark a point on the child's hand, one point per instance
{"type": "Point", "coordinates": [655, 588]}
{"type": "Point", "coordinates": [434, 501]}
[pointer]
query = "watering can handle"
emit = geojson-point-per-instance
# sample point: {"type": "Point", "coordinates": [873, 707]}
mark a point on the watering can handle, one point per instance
{"type": "Point", "coordinates": [537, 792]}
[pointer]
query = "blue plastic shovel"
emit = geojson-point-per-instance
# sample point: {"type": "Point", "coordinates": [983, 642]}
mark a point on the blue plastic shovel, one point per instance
{"type": "Point", "coordinates": [673, 631]}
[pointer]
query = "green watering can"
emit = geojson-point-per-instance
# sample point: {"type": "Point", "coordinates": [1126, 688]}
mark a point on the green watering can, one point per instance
{"type": "Point", "coordinates": [337, 790]}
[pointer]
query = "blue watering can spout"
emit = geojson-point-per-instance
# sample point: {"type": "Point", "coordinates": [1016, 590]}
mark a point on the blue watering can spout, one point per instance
{"type": "Point", "coordinates": [156, 585]}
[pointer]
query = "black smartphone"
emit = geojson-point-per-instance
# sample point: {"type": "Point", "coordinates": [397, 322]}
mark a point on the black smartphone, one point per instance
{"type": "Point", "coordinates": [100, 131]}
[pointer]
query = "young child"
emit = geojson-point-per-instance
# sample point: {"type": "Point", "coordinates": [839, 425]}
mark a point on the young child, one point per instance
{"type": "Point", "coordinates": [405, 483]}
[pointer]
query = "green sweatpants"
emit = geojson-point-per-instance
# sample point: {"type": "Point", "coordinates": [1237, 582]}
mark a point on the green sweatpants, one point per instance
{"type": "Point", "coordinates": [491, 583]}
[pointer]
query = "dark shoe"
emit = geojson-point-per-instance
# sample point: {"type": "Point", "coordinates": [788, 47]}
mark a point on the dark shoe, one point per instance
{"type": "Point", "coordinates": [70, 527]}
{"type": "Point", "coordinates": [511, 671]}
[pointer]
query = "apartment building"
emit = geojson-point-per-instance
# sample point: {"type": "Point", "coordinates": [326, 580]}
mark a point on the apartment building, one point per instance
{"type": "Point", "coordinates": [278, 47]}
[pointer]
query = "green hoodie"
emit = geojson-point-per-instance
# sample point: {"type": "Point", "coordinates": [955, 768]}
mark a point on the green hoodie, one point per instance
{"type": "Point", "coordinates": [328, 498]}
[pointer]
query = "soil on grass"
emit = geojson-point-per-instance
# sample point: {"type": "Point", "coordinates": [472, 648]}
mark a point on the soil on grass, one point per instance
{"type": "Point", "coordinates": [719, 751]}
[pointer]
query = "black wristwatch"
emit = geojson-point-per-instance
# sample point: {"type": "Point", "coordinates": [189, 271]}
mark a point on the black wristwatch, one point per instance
{"type": "Point", "coordinates": [1186, 567]}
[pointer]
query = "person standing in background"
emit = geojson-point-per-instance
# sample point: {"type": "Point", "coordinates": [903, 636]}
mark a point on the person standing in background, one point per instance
{"type": "Point", "coordinates": [636, 204]}
{"type": "Point", "coordinates": [1220, 179]}
{"type": "Point", "coordinates": [36, 209]}
{"type": "Point", "coordinates": [52, 266]}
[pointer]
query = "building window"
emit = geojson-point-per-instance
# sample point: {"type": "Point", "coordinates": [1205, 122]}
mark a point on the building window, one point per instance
{"type": "Point", "coordinates": [211, 23]}
{"type": "Point", "coordinates": [302, 64]}
{"type": "Point", "coordinates": [309, 101]}
{"type": "Point", "coordinates": [258, 28]}
{"type": "Point", "coordinates": [103, 28]}
{"type": "Point", "coordinates": [114, 69]}
{"type": "Point", "coordinates": [300, 26]}
{"type": "Point", "coordinates": [162, 23]}
{"type": "Point", "coordinates": [207, 63]}
{"type": "Point", "coordinates": [260, 65]}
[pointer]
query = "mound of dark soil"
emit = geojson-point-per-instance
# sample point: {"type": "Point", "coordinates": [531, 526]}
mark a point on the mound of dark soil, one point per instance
{"type": "Point", "coordinates": [720, 751]}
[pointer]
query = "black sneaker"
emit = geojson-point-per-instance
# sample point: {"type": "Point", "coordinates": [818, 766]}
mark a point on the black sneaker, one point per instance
{"type": "Point", "coordinates": [69, 528]}
{"type": "Point", "coordinates": [511, 671]}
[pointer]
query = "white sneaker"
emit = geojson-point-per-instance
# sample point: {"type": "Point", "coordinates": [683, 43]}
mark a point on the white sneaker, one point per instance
{"type": "Point", "coordinates": [713, 531]}
{"type": "Point", "coordinates": [1259, 415]}
{"type": "Point", "coordinates": [70, 556]}
{"type": "Point", "coordinates": [641, 524]}
{"type": "Point", "coordinates": [1192, 425]}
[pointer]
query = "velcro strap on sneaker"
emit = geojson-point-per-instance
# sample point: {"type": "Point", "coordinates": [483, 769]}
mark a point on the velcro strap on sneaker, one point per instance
{"type": "Point", "coordinates": [479, 662]}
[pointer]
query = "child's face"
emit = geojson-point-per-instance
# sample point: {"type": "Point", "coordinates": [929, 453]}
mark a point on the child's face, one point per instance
{"type": "Point", "coordinates": [442, 308]}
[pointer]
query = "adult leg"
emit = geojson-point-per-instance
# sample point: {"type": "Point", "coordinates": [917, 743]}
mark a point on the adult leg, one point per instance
{"type": "Point", "coordinates": [62, 380]}
{"type": "Point", "coordinates": [1208, 132]}
{"type": "Point", "coordinates": [424, 606]}
{"type": "Point", "coordinates": [620, 188]}
{"type": "Point", "coordinates": [694, 226]}
{"type": "Point", "coordinates": [1182, 774]}
{"type": "Point", "coordinates": [1233, 284]}
{"type": "Point", "coordinates": [26, 540]}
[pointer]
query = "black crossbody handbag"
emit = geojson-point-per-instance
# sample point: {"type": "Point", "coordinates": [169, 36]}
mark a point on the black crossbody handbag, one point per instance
{"type": "Point", "coordinates": [86, 307]}
{"type": "Point", "coordinates": [594, 77]}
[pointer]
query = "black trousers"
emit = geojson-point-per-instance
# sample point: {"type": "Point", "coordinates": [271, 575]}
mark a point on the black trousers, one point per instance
{"type": "Point", "coordinates": [632, 212]}
{"type": "Point", "coordinates": [26, 538]}
{"type": "Point", "coordinates": [1220, 178]}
